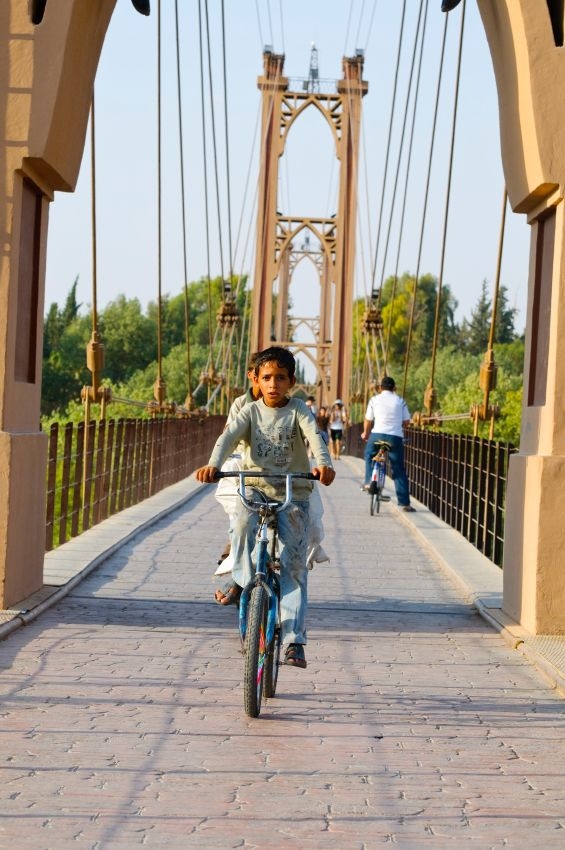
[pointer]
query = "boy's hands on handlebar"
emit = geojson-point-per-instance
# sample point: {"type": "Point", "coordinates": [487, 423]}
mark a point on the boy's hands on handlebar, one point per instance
{"type": "Point", "coordinates": [325, 474]}
{"type": "Point", "coordinates": [207, 474]}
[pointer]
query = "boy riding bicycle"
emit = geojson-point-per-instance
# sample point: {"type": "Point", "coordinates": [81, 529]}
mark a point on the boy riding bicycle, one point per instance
{"type": "Point", "coordinates": [275, 429]}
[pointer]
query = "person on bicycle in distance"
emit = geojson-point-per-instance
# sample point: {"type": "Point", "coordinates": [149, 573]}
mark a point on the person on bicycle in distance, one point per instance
{"type": "Point", "coordinates": [385, 418]}
{"type": "Point", "coordinates": [275, 429]}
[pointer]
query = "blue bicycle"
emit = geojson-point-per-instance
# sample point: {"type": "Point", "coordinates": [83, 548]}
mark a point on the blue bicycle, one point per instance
{"type": "Point", "coordinates": [259, 603]}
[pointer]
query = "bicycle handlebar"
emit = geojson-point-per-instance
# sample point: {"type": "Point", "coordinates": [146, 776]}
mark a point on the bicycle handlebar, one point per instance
{"type": "Point", "coordinates": [288, 476]}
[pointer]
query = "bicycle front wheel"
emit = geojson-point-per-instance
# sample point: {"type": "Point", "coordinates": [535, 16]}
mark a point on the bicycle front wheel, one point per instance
{"type": "Point", "coordinates": [272, 663]}
{"type": "Point", "coordinates": [255, 651]}
{"type": "Point", "coordinates": [375, 505]}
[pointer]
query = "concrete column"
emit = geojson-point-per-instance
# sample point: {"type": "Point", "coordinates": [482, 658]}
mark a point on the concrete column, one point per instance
{"type": "Point", "coordinates": [272, 85]}
{"type": "Point", "coordinates": [351, 88]}
{"type": "Point", "coordinates": [526, 43]}
{"type": "Point", "coordinates": [46, 79]}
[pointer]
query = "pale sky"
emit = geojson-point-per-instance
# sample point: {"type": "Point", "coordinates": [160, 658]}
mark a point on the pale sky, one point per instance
{"type": "Point", "coordinates": [127, 167]}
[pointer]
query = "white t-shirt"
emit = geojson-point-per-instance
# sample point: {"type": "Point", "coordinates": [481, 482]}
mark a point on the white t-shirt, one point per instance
{"type": "Point", "coordinates": [387, 411]}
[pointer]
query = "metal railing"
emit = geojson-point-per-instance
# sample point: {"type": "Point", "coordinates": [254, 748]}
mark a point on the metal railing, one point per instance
{"type": "Point", "coordinates": [460, 479]}
{"type": "Point", "coordinates": [96, 471]}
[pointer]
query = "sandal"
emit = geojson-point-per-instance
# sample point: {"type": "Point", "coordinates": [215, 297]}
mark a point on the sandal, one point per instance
{"type": "Point", "coordinates": [228, 595]}
{"type": "Point", "coordinates": [294, 655]}
{"type": "Point", "coordinates": [225, 553]}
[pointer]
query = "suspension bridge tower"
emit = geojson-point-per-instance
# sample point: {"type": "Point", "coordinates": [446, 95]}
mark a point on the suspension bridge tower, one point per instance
{"type": "Point", "coordinates": [276, 256]}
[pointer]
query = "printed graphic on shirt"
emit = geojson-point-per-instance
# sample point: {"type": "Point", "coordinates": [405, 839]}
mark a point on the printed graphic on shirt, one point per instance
{"type": "Point", "coordinates": [275, 442]}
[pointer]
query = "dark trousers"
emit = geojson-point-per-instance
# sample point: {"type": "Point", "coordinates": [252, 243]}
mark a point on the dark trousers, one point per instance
{"type": "Point", "coordinates": [396, 457]}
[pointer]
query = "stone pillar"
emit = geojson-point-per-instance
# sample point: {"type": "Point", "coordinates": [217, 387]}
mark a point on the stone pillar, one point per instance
{"type": "Point", "coordinates": [272, 85]}
{"type": "Point", "coordinates": [526, 44]}
{"type": "Point", "coordinates": [46, 79]}
{"type": "Point", "coordinates": [351, 88]}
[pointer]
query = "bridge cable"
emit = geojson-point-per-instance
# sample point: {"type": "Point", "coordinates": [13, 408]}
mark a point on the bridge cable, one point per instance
{"type": "Point", "coordinates": [390, 126]}
{"type": "Point", "coordinates": [270, 22]}
{"type": "Point", "coordinates": [348, 27]}
{"type": "Point", "coordinates": [358, 33]}
{"type": "Point", "coordinates": [488, 370]}
{"type": "Point", "coordinates": [261, 39]}
{"type": "Point", "coordinates": [425, 204]}
{"type": "Point", "coordinates": [226, 123]}
{"type": "Point", "coordinates": [282, 24]}
{"type": "Point", "coordinates": [408, 165]}
{"type": "Point", "coordinates": [371, 22]}
{"type": "Point", "coordinates": [159, 389]}
{"type": "Point", "coordinates": [189, 399]}
{"type": "Point", "coordinates": [214, 138]}
{"type": "Point", "coordinates": [430, 396]}
{"type": "Point", "coordinates": [205, 179]}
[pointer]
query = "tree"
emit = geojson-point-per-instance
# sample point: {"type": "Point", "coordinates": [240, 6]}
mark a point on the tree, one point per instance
{"type": "Point", "coordinates": [475, 332]}
{"type": "Point", "coordinates": [64, 373]}
{"type": "Point", "coordinates": [129, 338]}
{"type": "Point", "coordinates": [396, 314]}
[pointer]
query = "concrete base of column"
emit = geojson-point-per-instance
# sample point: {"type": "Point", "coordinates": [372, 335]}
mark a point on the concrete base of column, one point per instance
{"type": "Point", "coordinates": [534, 544]}
{"type": "Point", "coordinates": [23, 463]}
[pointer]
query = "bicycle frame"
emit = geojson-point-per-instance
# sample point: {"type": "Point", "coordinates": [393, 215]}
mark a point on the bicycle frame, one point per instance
{"type": "Point", "coordinates": [268, 511]}
{"type": "Point", "coordinates": [378, 474]}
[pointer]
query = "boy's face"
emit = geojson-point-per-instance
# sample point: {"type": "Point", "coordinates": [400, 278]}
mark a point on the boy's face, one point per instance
{"type": "Point", "coordinates": [274, 382]}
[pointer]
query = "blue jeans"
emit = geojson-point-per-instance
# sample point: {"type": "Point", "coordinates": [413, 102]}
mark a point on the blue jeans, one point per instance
{"type": "Point", "coordinates": [293, 550]}
{"type": "Point", "coordinates": [396, 457]}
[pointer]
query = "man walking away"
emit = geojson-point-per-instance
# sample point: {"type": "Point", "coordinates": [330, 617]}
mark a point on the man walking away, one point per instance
{"type": "Point", "coordinates": [385, 418]}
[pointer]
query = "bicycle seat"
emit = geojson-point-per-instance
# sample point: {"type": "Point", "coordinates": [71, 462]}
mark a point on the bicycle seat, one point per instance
{"type": "Point", "coordinates": [383, 444]}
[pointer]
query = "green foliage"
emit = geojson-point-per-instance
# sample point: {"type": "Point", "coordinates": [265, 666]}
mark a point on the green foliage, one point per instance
{"type": "Point", "coordinates": [397, 312]}
{"type": "Point", "coordinates": [399, 316]}
{"type": "Point", "coordinates": [457, 384]}
{"type": "Point", "coordinates": [65, 336]}
{"type": "Point", "coordinates": [129, 336]}
{"type": "Point", "coordinates": [475, 332]}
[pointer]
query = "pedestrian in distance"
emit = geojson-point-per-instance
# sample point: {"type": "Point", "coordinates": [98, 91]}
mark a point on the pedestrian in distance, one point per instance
{"type": "Point", "coordinates": [338, 425]}
{"type": "Point", "coordinates": [323, 420]}
{"type": "Point", "coordinates": [385, 418]}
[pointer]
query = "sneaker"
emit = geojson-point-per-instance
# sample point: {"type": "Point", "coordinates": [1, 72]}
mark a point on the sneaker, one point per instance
{"type": "Point", "coordinates": [365, 488]}
{"type": "Point", "coordinates": [408, 509]}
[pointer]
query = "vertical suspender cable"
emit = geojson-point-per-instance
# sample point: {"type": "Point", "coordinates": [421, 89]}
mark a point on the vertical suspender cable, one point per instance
{"type": "Point", "coordinates": [188, 402]}
{"type": "Point", "coordinates": [446, 214]}
{"type": "Point", "coordinates": [397, 174]}
{"type": "Point", "coordinates": [205, 177]}
{"type": "Point", "coordinates": [488, 366]}
{"type": "Point", "coordinates": [496, 293]}
{"type": "Point", "coordinates": [408, 164]}
{"type": "Point", "coordinates": [228, 192]}
{"type": "Point", "coordinates": [93, 213]}
{"type": "Point", "coordinates": [385, 174]}
{"type": "Point", "coordinates": [159, 387]}
{"type": "Point", "coordinates": [425, 207]}
{"type": "Point", "coordinates": [214, 144]}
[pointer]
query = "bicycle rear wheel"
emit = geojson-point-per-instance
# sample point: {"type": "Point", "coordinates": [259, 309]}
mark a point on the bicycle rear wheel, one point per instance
{"type": "Point", "coordinates": [255, 652]}
{"type": "Point", "coordinates": [375, 505]}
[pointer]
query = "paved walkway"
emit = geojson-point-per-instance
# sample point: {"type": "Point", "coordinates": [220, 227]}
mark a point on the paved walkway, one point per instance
{"type": "Point", "coordinates": [416, 724]}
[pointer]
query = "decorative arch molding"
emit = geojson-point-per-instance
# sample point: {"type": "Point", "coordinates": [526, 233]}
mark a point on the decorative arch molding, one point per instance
{"type": "Point", "coordinates": [330, 107]}
{"type": "Point", "coordinates": [289, 228]}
